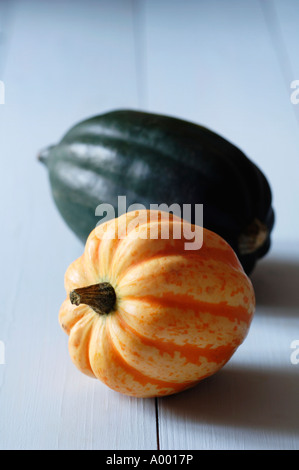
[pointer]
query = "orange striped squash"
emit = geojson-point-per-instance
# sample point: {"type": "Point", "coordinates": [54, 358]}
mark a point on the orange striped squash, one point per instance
{"type": "Point", "coordinates": [148, 317]}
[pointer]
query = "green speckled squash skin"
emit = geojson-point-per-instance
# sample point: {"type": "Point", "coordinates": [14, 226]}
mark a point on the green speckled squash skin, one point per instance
{"type": "Point", "coordinates": [155, 159]}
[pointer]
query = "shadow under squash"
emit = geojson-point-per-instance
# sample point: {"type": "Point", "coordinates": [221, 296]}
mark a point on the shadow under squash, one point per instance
{"type": "Point", "coordinates": [259, 399]}
{"type": "Point", "coordinates": [276, 284]}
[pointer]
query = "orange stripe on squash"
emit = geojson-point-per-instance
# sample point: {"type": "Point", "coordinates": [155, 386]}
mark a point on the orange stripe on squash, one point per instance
{"type": "Point", "coordinates": [186, 302]}
{"type": "Point", "coordinates": [190, 352]}
{"type": "Point", "coordinates": [145, 381]}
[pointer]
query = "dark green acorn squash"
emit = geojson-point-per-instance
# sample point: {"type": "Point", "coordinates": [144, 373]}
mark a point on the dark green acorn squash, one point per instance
{"type": "Point", "coordinates": [152, 158]}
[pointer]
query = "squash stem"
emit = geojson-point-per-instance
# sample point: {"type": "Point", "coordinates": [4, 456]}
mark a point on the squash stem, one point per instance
{"type": "Point", "coordinates": [100, 297]}
{"type": "Point", "coordinates": [44, 154]}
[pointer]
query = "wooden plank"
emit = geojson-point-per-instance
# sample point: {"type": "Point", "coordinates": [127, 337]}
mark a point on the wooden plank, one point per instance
{"type": "Point", "coordinates": [6, 15]}
{"type": "Point", "coordinates": [214, 63]}
{"type": "Point", "coordinates": [282, 20]}
{"type": "Point", "coordinates": [67, 61]}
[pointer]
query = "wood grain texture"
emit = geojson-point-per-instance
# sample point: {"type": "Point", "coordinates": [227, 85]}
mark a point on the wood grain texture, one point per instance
{"type": "Point", "coordinates": [223, 64]}
{"type": "Point", "coordinates": [64, 62]}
